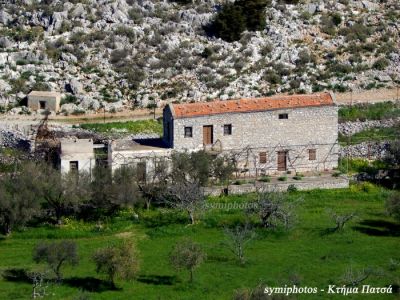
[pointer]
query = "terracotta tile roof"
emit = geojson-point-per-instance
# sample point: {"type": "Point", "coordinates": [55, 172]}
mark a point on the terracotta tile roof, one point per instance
{"type": "Point", "coordinates": [250, 105]}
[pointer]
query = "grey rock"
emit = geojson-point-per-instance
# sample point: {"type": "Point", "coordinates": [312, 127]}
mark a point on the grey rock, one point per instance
{"type": "Point", "coordinates": [74, 86]}
{"type": "Point", "coordinates": [4, 86]}
{"type": "Point", "coordinates": [384, 78]}
{"type": "Point", "coordinates": [370, 5]}
{"type": "Point", "coordinates": [3, 58]}
{"type": "Point", "coordinates": [5, 17]}
{"type": "Point", "coordinates": [69, 57]}
{"type": "Point", "coordinates": [311, 8]}
{"type": "Point", "coordinates": [5, 42]}
{"type": "Point", "coordinates": [69, 107]}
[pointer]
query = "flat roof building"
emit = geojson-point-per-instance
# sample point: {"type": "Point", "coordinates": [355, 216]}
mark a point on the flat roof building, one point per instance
{"type": "Point", "coordinates": [44, 100]}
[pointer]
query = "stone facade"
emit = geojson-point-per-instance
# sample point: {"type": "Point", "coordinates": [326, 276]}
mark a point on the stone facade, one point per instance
{"type": "Point", "coordinates": [42, 100]}
{"type": "Point", "coordinates": [77, 154]}
{"type": "Point", "coordinates": [257, 137]}
{"type": "Point", "coordinates": [143, 157]}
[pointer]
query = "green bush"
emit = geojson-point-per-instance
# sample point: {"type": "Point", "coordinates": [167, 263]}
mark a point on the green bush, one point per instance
{"type": "Point", "coordinates": [358, 31]}
{"type": "Point", "coordinates": [298, 176]}
{"type": "Point", "coordinates": [265, 179]}
{"type": "Point", "coordinates": [381, 64]}
{"type": "Point", "coordinates": [282, 178]}
{"type": "Point", "coordinates": [234, 18]}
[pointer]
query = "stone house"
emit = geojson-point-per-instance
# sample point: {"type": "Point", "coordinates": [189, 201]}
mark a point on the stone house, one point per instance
{"type": "Point", "coordinates": [43, 100]}
{"type": "Point", "coordinates": [265, 136]}
{"type": "Point", "coordinates": [77, 155]}
{"type": "Point", "coordinates": [145, 155]}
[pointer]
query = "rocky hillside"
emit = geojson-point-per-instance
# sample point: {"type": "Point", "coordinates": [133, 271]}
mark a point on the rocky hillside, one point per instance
{"type": "Point", "coordinates": [124, 53]}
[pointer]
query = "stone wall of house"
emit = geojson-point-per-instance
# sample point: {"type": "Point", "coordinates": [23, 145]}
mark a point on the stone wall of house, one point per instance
{"type": "Point", "coordinates": [148, 158]}
{"type": "Point", "coordinates": [52, 103]}
{"type": "Point", "coordinates": [255, 132]}
{"type": "Point", "coordinates": [79, 151]}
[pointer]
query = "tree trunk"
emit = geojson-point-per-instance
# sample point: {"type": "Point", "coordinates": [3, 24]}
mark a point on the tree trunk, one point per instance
{"type": "Point", "coordinates": [192, 218]}
{"type": "Point", "coordinates": [148, 204]}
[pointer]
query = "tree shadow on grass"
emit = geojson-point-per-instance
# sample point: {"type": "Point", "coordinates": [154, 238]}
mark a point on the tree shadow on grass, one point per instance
{"type": "Point", "coordinates": [16, 275]}
{"type": "Point", "coordinates": [90, 284]}
{"type": "Point", "coordinates": [328, 231]}
{"type": "Point", "coordinates": [157, 279]}
{"type": "Point", "coordinates": [378, 228]}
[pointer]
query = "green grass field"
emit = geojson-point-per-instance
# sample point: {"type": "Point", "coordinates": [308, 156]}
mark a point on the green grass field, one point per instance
{"type": "Point", "coordinates": [307, 254]}
{"type": "Point", "coordinates": [132, 127]}
{"type": "Point", "coordinates": [371, 135]}
{"type": "Point", "coordinates": [362, 112]}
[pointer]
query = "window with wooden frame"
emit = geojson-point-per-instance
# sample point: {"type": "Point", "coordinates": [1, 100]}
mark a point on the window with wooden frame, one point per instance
{"type": "Point", "coordinates": [312, 154]}
{"type": "Point", "coordinates": [263, 157]}
{"type": "Point", "coordinates": [228, 129]}
{"type": "Point", "coordinates": [188, 131]}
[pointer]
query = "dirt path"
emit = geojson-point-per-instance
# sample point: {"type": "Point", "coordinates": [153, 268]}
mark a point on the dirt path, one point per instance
{"type": "Point", "coordinates": [137, 114]}
{"type": "Point", "coordinates": [371, 96]}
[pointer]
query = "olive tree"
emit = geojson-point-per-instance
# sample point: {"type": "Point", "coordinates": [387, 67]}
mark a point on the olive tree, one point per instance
{"type": "Point", "coordinates": [273, 208]}
{"type": "Point", "coordinates": [18, 200]}
{"type": "Point", "coordinates": [341, 220]}
{"type": "Point", "coordinates": [60, 193]}
{"type": "Point", "coordinates": [125, 190]}
{"type": "Point", "coordinates": [188, 255]}
{"type": "Point", "coordinates": [237, 239]}
{"type": "Point", "coordinates": [188, 197]}
{"type": "Point", "coordinates": [117, 261]}
{"type": "Point", "coordinates": [56, 254]}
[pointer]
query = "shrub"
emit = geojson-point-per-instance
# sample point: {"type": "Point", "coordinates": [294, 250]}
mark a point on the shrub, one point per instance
{"type": "Point", "coordinates": [358, 31]}
{"type": "Point", "coordinates": [298, 176]}
{"type": "Point", "coordinates": [292, 188]}
{"type": "Point", "coordinates": [272, 77]}
{"type": "Point", "coordinates": [136, 15]}
{"type": "Point", "coordinates": [118, 55]}
{"type": "Point", "coordinates": [265, 179]}
{"type": "Point", "coordinates": [234, 18]}
{"type": "Point", "coordinates": [381, 64]}
{"type": "Point", "coordinates": [282, 178]}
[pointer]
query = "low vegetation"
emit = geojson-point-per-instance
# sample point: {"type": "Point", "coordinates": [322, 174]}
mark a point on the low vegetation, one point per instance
{"type": "Point", "coordinates": [371, 135]}
{"type": "Point", "coordinates": [134, 127]}
{"type": "Point", "coordinates": [362, 112]}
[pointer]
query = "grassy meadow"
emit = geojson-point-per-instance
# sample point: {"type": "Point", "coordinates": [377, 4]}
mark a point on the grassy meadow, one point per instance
{"type": "Point", "coordinates": [362, 112]}
{"type": "Point", "coordinates": [131, 127]}
{"type": "Point", "coordinates": [309, 254]}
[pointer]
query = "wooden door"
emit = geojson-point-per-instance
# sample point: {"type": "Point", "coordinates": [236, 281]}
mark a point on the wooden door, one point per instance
{"type": "Point", "coordinates": [282, 160]}
{"type": "Point", "coordinates": [207, 135]}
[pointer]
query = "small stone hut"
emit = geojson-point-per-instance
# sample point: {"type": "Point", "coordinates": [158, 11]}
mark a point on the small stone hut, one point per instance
{"type": "Point", "coordinates": [43, 100]}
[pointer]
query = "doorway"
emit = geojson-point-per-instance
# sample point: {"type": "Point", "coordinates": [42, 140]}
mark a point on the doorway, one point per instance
{"type": "Point", "coordinates": [42, 104]}
{"type": "Point", "coordinates": [208, 135]}
{"type": "Point", "coordinates": [282, 160]}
